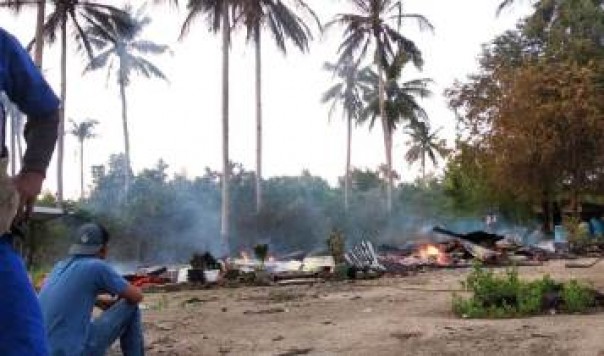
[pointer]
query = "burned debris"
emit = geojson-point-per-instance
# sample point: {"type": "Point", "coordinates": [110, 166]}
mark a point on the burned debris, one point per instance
{"type": "Point", "coordinates": [441, 248]}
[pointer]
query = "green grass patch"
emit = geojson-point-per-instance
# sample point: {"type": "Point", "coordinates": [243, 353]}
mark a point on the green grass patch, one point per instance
{"type": "Point", "coordinates": [507, 296]}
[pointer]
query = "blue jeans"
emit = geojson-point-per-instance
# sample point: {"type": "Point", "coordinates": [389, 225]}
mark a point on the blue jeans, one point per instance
{"type": "Point", "coordinates": [21, 323]}
{"type": "Point", "coordinates": [123, 321]}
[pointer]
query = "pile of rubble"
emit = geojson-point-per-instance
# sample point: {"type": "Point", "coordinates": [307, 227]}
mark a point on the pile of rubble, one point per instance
{"type": "Point", "coordinates": [456, 250]}
{"type": "Point", "coordinates": [444, 249]}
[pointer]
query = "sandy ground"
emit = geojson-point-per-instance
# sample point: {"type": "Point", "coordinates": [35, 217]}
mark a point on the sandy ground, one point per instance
{"type": "Point", "coordinates": [389, 316]}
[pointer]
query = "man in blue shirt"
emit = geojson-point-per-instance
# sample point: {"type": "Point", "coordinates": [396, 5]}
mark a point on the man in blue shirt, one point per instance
{"type": "Point", "coordinates": [21, 326]}
{"type": "Point", "coordinates": [71, 291]}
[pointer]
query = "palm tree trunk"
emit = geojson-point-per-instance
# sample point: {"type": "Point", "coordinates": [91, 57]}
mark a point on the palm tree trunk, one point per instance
{"type": "Point", "coordinates": [348, 153]}
{"type": "Point", "coordinates": [258, 119]}
{"type": "Point", "coordinates": [127, 168]}
{"type": "Point", "coordinates": [18, 125]}
{"type": "Point", "coordinates": [61, 136]}
{"type": "Point", "coordinates": [13, 137]}
{"type": "Point", "coordinates": [424, 168]}
{"type": "Point", "coordinates": [38, 54]}
{"type": "Point", "coordinates": [81, 169]}
{"type": "Point", "coordinates": [224, 226]}
{"type": "Point", "coordinates": [387, 138]}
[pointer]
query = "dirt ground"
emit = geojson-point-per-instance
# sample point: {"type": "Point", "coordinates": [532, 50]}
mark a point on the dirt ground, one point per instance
{"type": "Point", "coordinates": [388, 316]}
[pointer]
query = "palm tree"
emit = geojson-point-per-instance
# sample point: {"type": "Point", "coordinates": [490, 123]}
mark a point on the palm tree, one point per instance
{"type": "Point", "coordinates": [123, 49]}
{"type": "Point", "coordinates": [218, 14]}
{"type": "Point", "coordinates": [82, 131]}
{"type": "Point", "coordinates": [39, 40]}
{"type": "Point", "coordinates": [283, 23]}
{"type": "Point", "coordinates": [16, 125]}
{"type": "Point", "coordinates": [66, 11]}
{"type": "Point", "coordinates": [400, 102]}
{"type": "Point", "coordinates": [348, 94]}
{"type": "Point", "coordinates": [377, 23]}
{"type": "Point", "coordinates": [424, 142]}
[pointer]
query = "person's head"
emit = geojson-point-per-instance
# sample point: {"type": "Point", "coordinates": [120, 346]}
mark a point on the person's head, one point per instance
{"type": "Point", "coordinates": [90, 240]}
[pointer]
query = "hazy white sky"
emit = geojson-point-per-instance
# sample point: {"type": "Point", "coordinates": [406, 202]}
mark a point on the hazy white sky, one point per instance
{"type": "Point", "coordinates": [180, 121]}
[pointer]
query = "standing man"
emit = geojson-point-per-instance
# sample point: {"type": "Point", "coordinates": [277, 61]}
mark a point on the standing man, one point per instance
{"type": "Point", "coordinates": [75, 286]}
{"type": "Point", "coordinates": [21, 325]}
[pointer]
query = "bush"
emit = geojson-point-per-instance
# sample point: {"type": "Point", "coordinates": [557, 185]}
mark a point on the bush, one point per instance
{"type": "Point", "coordinates": [501, 296]}
{"type": "Point", "coordinates": [576, 297]}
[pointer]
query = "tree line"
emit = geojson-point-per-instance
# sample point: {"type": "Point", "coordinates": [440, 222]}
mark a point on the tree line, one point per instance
{"type": "Point", "coordinates": [168, 218]}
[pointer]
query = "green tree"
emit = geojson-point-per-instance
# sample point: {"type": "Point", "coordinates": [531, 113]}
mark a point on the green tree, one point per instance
{"type": "Point", "coordinates": [283, 24]}
{"type": "Point", "coordinates": [83, 131]}
{"type": "Point", "coordinates": [377, 23]}
{"type": "Point", "coordinates": [218, 15]}
{"type": "Point", "coordinates": [533, 113]}
{"type": "Point", "coordinates": [122, 50]}
{"type": "Point", "coordinates": [424, 143]}
{"type": "Point", "coordinates": [347, 93]}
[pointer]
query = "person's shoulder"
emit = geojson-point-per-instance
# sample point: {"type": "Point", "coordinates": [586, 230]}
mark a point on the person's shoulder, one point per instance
{"type": "Point", "coordinates": [98, 263]}
{"type": "Point", "coordinates": [7, 38]}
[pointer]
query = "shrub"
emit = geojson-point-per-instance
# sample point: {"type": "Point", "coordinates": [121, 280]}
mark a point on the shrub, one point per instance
{"type": "Point", "coordinates": [501, 296]}
{"type": "Point", "coordinates": [576, 297]}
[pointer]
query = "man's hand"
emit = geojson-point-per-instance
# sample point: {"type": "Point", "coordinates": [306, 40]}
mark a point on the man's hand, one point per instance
{"type": "Point", "coordinates": [105, 301]}
{"type": "Point", "coordinates": [29, 185]}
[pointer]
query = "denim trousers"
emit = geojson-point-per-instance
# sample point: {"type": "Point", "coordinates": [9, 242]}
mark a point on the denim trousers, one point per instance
{"type": "Point", "coordinates": [21, 323]}
{"type": "Point", "coordinates": [122, 321]}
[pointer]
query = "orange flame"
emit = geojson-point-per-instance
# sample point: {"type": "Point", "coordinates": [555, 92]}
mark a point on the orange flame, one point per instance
{"type": "Point", "coordinates": [431, 252]}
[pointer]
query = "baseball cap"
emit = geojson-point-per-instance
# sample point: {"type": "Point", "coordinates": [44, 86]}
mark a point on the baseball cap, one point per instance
{"type": "Point", "coordinates": [89, 239]}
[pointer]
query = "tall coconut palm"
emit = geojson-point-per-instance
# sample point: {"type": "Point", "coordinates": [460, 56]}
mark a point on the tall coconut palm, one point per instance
{"type": "Point", "coordinates": [283, 24]}
{"type": "Point", "coordinates": [376, 24]}
{"type": "Point", "coordinates": [39, 40]}
{"type": "Point", "coordinates": [347, 93]}
{"type": "Point", "coordinates": [74, 12]}
{"type": "Point", "coordinates": [121, 51]}
{"type": "Point", "coordinates": [400, 104]}
{"type": "Point", "coordinates": [15, 117]}
{"type": "Point", "coordinates": [83, 131]}
{"type": "Point", "coordinates": [424, 143]}
{"type": "Point", "coordinates": [218, 14]}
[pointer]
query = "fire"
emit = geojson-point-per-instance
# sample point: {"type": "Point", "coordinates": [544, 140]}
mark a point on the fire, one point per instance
{"type": "Point", "coordinates": [431, 252]}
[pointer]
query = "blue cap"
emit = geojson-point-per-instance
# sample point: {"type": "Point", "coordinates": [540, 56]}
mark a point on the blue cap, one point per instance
{"type": "Point", "coordinates": [89, 239]}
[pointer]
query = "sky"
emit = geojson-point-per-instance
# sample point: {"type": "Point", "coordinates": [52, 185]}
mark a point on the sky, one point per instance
{"type": "Point", "coordinates": [180, 121]}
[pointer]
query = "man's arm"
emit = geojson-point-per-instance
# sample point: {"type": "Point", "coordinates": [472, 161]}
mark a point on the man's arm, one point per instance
{"type": "Point", "coordinates": [40, 137]}
{"type": "Point", "coordinates": [109, 281]}
{"type": "Point", "coordinates": [132, 294]}
{"type": "Point", "coordinates": [26, 87]}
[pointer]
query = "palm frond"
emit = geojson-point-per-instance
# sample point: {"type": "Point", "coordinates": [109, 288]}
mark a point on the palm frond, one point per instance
{"type": "Point", "coordinates": [149, 47]}
{"type": "Point", "coordinates": [194, 9]}
{"type": "Point", "coordinates": [332, 93]}
{"type": "Point", "coordinates": [413, 154]}
{"type": "Point", "coordinates": [148, 69]}
{"type": "Point", "coordinates": [99, 60]}
{"type": "Point", "coordinates": [503, 5]}
{"type": "Point", "coordinates": [422, 22]}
